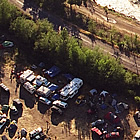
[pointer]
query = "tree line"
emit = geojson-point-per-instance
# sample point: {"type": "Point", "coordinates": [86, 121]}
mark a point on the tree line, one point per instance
{"type": "Point", "coordinates": [45, 43]}
{"type": "Point", "coordinates": [125, 42]}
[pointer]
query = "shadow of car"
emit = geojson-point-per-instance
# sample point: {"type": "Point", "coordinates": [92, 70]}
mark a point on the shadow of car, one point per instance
{"type": "Point", "coordinates": [12, 128]}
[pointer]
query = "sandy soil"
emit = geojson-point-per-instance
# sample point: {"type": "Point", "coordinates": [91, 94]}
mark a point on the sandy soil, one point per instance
{"type": "Point", "coordinates": [73, 124]}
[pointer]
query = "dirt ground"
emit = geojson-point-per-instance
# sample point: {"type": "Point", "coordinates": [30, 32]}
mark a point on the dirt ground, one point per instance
{"type": "Point", "coordinates": [73, 124]}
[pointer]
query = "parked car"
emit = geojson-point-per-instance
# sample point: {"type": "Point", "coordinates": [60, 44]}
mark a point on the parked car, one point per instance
{"type": "Point", "coordinates": [8, 44]}
{"type": "Point", "coordinates": [59, 103]}
{"type": "Point", "coordinates": [97, 122]}
{"type": "Point", "coordinates": [4, 87]}
{"type": "Point", "coordinates": [80, 100]}
{"type": "Point", "coordinates": [137, 135]}
{"type": "Point", "coordinates": [97, 131]}
{"type": "Point", "coordinates": [44, 100]}
{"type": "Point", "coordinates": [29, 87]}
{"type": "Point", "coordinates": [55, 97]}
{"type": "Point", "coordinates": [35, 133]}
{"type": "Point", "coordinates": [5, 108]}
{"type": "Point", "coordinates": [17, 103]}
{"type": "Point", "coordinates": [112, 118]}
{"type": "Point", "coordinates": [3, 119]}
{"type": "Point", "coordinates": [137, 115]}
{"type": "Point", "coordinates": [13, 110]}
{"type": "Point", "coordinates": [124, 105]}
{"type": "Point", "coordinates": [23, 133]}
{"type": "Point", "coordinates": [112, 135]}
{"type": "Point", "coordinates": [56, 110]}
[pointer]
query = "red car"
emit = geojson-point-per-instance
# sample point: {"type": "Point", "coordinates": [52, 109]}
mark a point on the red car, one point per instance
{"type": "Point", "coordinates": [112, 135]}
{"type": "Point", "coordinates": [97, 131]}
{"type": "Point", "coordinates": [112, 118]}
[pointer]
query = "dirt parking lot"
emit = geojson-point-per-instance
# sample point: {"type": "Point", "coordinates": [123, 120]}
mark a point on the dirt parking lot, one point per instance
{"type": "Point", "coordinates": [73, 124]}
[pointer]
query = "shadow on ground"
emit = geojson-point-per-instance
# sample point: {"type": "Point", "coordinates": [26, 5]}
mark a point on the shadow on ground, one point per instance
{"type": "Point", "coordinates": [27, 97]}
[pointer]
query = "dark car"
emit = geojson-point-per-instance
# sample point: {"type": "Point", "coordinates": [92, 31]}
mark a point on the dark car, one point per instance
{"type": "Point", "coordinates": [17, 103]}
{"type": "Point", "coordinates": [112, 135]}
{"type": "Point", "coordinates": [112, 118]}
{"type": "Point", "coordinates": [56, 109]}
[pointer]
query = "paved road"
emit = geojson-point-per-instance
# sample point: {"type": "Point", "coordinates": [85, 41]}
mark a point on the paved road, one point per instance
{"type": "Point", "coordinates": [130, 62]}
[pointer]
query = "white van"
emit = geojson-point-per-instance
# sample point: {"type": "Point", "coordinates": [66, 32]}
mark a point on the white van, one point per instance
{"type": "Point", "coordinates": [59, 103]}
{"type": "Point", "coordinates": [29, 87]}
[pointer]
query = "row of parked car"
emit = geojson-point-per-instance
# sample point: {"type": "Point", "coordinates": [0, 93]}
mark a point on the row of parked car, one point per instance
{"type": "Point", "coordinates": [46, 91]}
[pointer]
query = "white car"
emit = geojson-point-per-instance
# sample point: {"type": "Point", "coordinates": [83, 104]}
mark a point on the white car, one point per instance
{"type": "Point", "coordinates": [60, 104]}
{"type": "Point", "coordinates": [3, 120]}
{"type": "Point", "coordinates": [29, 87]}
{"type": "Point", "coordinates": [44, 100]}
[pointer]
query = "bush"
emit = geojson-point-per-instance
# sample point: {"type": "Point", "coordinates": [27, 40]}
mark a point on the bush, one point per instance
{"type": "Point", "coordinates": [137, 99]}
{"type": "Point", "coordinates": [131, 93]}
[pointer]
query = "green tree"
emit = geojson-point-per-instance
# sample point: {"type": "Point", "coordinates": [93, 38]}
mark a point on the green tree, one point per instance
{"type": "Point", "coordinates": [8, 13]}
{"type": "Point", "coordinates": [25, 29]}
{"type": "Point", "coordinates": [44, 26]}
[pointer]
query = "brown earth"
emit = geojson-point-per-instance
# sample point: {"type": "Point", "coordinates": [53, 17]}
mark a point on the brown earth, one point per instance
{"type": "Point", "coordinates": [73, 124]}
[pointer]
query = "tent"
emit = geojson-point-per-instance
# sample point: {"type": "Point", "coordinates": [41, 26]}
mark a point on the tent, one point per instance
{"type": "Point", "coordinates": [103, 106]}
{"type": "Point", "coordinates": [93, 92]}
{"type": "Point", "coordinates": [104, 93]}
{"type": "Point", "coordinates": [53, 71]}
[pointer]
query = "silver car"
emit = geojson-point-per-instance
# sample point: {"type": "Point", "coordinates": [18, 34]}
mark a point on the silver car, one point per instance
{"type": "Point", "coordinates": [97, 122]}
{"type": "Point", "coordinates": [44, 100]}
{"type": "Point", "coordinates": [59, 103]}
